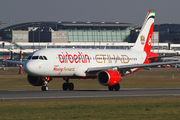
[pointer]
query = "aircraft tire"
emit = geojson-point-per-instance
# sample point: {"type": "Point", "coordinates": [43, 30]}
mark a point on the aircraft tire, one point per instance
{"type": "Point", "coordinates": [71, 86]}
{"type": "Point", "coordinates": [65, 86]}
{"type": "Point", "coordinates": [110, 88]}
{"type": "Point", "coordinates": [44, 88]}
{"type": "Point", "coordinates": [117, 87]}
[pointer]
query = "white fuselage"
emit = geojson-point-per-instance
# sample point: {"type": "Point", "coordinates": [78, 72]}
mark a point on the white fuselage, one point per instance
{"type": "Point", "coordinates": [75, 62]}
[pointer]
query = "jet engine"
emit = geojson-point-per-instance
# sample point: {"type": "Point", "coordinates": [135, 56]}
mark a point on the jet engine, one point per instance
{"type": "Point", "coordinates": [109, 77]}
{"type": "Point", "coordinates": [35, 81]}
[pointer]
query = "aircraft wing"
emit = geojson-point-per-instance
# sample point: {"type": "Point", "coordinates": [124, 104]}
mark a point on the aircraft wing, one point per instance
{"type": "Point", "coordinates": [95, 69]}
{"type": "Point", "coordinates": [163, 56]}
{"type": "Point", "coordinates": [14, 62]}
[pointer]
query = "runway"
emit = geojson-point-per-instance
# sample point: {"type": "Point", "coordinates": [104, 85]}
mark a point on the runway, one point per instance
{"type": "Point", "coordinates": [80, 94]}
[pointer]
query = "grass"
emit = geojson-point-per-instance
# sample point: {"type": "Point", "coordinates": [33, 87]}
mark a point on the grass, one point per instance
{"type": "Point", "coordinates": [156, 78]}
{"type": "Point", "coordinates": [166, 108]}
{"type": "Point", "coordinates": [93, 109]}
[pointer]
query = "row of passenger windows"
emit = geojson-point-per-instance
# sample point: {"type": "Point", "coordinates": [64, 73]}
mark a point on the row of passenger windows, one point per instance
{"type": "Point", "coordinates": [100, 58]}
{"type": "Point", "coordinates": [115, 58]}
{"type": "Point", "coordinates": [45, 58]}
{"type": "Point", "coordinates": [37, 57]}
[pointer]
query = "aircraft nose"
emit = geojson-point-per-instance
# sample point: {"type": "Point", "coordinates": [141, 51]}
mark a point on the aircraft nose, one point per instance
{"type": "Point", "coordinates": [29, 68]}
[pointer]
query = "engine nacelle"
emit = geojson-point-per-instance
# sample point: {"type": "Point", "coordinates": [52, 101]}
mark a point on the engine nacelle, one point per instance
{"type": "Point", "coordinates": [35, 81]}
{"type": "Point", "coordinates": [109, 77]}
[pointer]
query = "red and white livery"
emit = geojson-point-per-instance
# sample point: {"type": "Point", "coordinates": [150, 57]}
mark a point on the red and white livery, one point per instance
{"type": "Point", "coordinates": [109, 66]}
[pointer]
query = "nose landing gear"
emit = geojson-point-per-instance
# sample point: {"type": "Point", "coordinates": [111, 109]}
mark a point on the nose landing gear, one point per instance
{"type": "Point", "coordinates": [44, 88]}
{"type": "Point", "coordinates": [46, 81]}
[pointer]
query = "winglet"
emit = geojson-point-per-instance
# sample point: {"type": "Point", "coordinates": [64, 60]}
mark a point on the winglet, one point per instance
{"type": "Point", "coordinates": [5, 59]}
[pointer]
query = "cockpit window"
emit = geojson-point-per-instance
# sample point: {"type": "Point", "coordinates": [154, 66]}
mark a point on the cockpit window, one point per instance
{"type": "Point", "coordinates": [45, 57]}
{"type": "Point", "coordinates": [29, 57]}
{"type": "Point", "coordinates": [34, 57]}
{"type": "Point", "coordinates": [40, 57]}
{"type": "Point", "coordinates": [37, 57]}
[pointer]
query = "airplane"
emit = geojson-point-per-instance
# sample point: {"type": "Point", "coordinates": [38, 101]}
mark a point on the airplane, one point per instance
{"type": "Point", "coordinates": [109, 66]}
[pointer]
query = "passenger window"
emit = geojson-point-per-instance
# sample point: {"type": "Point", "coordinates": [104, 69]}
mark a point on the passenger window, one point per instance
{"type": "Point", "coordinates": [40, 57]}
{"type": "Point", "coordinates": [34, 57]}
{"type": "Point", "coordinates": [45, 57]}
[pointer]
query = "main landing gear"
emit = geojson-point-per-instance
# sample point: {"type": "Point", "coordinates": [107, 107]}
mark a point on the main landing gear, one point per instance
{"type": "Point", "coordinates": [115, 87]}
{"type": "Point", "coordinates": [67, 85]}
{"type": "Point", "coordinates": [70, 86]}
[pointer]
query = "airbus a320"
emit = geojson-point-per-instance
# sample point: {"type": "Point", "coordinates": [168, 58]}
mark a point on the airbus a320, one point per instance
{"type": "Point", "coordinates": [109, 66]}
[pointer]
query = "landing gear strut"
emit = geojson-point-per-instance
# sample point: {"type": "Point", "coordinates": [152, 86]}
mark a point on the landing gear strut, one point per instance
{"type": "Point", "coordinates": [67, 85]}
{"type": "Point", "coordinates": [45, 87]}
{"type": "Point", "coordinates": [115, 87]}
{"type": "Point", "coordinates": [46, 80]}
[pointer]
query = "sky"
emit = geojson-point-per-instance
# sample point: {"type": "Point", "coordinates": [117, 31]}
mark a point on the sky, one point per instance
{"type": "Point", "coordinates": [125, 11]}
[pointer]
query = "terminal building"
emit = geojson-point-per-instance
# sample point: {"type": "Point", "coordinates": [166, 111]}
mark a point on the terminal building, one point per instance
{"type": "Point", "coordinates": [36, 35]}
{"type": "Point", "coordinates": [32, 36]}
{"type": "Point", "coordinates": [67, 32]}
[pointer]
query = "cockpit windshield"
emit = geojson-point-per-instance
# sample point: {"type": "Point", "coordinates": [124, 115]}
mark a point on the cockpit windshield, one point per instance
{"type": "Point", "coordinates": [29, 57]}
{"type": "Point", "coordinates": [34, 57]}
{"type": "Point", "coordinates": [41, 58]}
{"type": "Point", "coordinates": [45, 57]}
{"type": "Point", "coordinates": [37, 57]}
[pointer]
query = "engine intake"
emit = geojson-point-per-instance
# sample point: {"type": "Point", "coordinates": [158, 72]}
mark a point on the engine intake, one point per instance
{"type": "Point", "coordinates": [109, 77]}
{"type": "Point", "coordinates": [35, 81]}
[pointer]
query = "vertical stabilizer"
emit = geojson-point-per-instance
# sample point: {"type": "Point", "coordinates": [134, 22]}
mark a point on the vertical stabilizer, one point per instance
{"type": "Point", "coordinates": [144, 39]}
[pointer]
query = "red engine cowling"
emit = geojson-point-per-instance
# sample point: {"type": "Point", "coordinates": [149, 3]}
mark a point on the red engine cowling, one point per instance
{"type": "Point", "coordinates": [109, 77]}
{"type": "Point", "coordinates": [35, 81]}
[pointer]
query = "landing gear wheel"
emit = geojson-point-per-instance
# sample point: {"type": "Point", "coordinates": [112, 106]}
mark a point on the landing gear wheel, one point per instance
{"type": "Point", "coordinates": [65, 86]}
{"type": "Point", "coordinates": [71, 86]}
{"type": "Point", "coordinates": [117, 87]}
{"type": "Point", "coordinates": [110, 88]}
{"type": "Point", "coordinates": [44, 88]}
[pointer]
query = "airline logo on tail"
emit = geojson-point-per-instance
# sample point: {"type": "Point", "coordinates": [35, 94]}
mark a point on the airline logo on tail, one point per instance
{"type": "Point", "coordinates": [142, 40]}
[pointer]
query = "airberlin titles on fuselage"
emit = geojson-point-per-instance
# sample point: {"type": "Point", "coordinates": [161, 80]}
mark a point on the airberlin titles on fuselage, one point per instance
{"type": "Point", "coordinates": [80, 57]}
{"type": "Point", "coordinates": [76, 58]}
